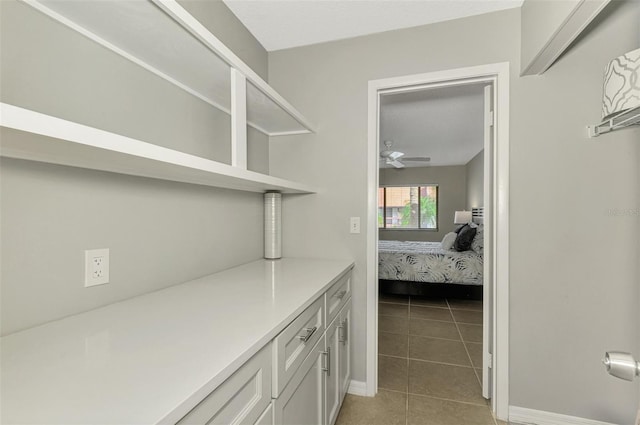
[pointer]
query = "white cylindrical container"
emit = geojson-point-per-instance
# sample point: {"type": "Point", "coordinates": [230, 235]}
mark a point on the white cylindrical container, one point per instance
{"type": "Point", "coordinates": [272, 225]}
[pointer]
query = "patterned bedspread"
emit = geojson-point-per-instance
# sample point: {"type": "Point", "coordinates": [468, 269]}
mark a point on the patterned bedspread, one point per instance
{"type": "Point", "coordinates": [427, 262]}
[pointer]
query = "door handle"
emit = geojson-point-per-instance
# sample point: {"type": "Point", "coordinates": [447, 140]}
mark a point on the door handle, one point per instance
{"type": "Point", "coordinates": [621, 365]}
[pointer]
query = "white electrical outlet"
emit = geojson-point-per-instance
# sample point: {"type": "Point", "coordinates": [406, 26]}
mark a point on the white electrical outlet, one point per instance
{"type": "Point", "coordinates": [96, 267]}
{"type": "Point", "coordinates": [354, 225]}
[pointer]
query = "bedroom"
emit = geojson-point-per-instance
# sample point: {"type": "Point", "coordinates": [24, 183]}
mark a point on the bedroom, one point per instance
{"type": "Point", "coordinates": [431, 178]}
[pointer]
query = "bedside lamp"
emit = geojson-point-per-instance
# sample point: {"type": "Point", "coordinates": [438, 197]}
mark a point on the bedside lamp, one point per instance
{"type": "Point", "coordinates": [462, 217]}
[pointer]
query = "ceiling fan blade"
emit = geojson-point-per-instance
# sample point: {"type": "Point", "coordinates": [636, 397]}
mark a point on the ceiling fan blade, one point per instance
{"type": "Point", "coordinates": [395, 155]}
{"type": "Point", "coordinates": [396, 164]}
{"type": "Point", "coordinates": [417, 158]}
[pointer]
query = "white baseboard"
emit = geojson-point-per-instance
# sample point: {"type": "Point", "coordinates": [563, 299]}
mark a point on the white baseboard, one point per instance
{"type": "Point", "coordinates": [357, 388]}
{"type": "Point", "coordinates": [521, 415]}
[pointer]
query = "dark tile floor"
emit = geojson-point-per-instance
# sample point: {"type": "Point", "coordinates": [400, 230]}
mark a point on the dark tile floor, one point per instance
{"type": "Point", "coordinates": [429, 360]}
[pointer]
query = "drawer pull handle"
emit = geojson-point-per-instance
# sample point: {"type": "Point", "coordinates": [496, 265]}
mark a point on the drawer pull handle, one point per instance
{"type": "Point", "coordinates": [341, 294]}
{"type": "Point", "coordinates": [310, 332]}
{"type": "Point", "coordinates": [328, 363]}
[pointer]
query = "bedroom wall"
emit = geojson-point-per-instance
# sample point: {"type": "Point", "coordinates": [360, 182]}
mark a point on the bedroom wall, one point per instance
{"type": "Point", "coordinates": [474, 171]}
{"type": "Point", "coordinates": [452, 188]}
{"type": "Point", "coordinates": [570, 280]}
{"type": "Point", "coordinates": [159, 233]}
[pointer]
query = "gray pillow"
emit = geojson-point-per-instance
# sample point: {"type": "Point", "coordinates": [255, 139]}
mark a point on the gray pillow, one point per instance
{"type": "Point", "coordinates": [464, 239]}
{"type": "Point", "coordinates": [477, 245]}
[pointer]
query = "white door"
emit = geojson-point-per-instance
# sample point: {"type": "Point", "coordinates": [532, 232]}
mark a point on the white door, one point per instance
{"type": "Point", "coordinates": [345, 350]}
{"type": "Point", "coordinates": [333, 372]}
{"type": "Point", "coordinates": [488, 264]}
{"type": "Point", "coordinates": [302, 400]}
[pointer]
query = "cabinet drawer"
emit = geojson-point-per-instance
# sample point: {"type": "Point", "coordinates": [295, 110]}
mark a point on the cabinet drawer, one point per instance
{"type": "Point", "coordinates": [337, 296]}
{"type": "Point", "coordinates": [241, 399]}
{"type": "Point", "coordinates": [293, 344]}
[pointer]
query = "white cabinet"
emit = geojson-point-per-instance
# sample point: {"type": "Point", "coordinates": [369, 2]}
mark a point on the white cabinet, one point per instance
{"type": "Point", "coordinates": [302, 401]}
{"type": "Point", "coordinates": [241, 399]}
{"type": "Point", "coordinates": [334, 381]}
{"type": "Point", "coordinates": [338, 351]}
{"type": "Point", "coordinates": [344, 349]}
{"type": "Point", "coordinates": [292, 346]}
{"type": "Point", "coordinates": [299, 378]}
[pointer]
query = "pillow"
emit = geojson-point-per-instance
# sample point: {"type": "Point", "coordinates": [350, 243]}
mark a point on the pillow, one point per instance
{"type": "Point", "coordinates": [448, 241]}
{"type": "Point", "coordinates": [464, 239]}
{"type": "Point", "coordinates": [459, 228]}
{"type": "Point", "coordinates": [477, 245]}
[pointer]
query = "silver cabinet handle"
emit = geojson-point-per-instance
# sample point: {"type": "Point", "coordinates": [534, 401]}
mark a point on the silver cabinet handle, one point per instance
{"type": "Point", "coordinates": [328, 363]}
{"type": "Point", "coordinates": [341, 294]}
{"type": "Point", "coordinates": [345, 331]}
{"type": "Point", "coordinates": [310, 332]}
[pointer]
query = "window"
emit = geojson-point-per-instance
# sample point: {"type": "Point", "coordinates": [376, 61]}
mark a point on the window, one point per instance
{"type": "Point", "coordinates": [408, 207]}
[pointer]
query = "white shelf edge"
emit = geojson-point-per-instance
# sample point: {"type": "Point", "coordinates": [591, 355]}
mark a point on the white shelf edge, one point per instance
{"type": "Point", "coordinates": [213, 43]}
{"type": "Point", "coordinates": [69, 143]}
{"type": "Point", "coordinates": [190, 23]}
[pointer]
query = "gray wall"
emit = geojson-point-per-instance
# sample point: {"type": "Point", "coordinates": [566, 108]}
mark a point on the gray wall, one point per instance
{"type": "Point", "coordinates": [221, 21]}
{"type": "Point", "coordinates": [571, 280]}
{"type": "Point", "coordinates": [574, 282]}
{"type": "Point", "coordinates": [452, 190]}
{"type": "Point", "coordinates": [474, 171]}
{"type": "Point", "coordinates": [160, 233]}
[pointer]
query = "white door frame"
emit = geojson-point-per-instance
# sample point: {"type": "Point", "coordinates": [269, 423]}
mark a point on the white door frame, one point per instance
{"type": "Point", "coordinates": [498, 75]}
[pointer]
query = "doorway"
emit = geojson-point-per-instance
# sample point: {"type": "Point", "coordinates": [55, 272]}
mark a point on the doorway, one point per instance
{"type": "Point", "coordinates": [495, 289]}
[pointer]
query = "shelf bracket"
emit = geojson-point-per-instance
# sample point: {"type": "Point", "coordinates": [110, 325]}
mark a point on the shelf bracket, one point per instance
{"type": "Point", "coordinates": [624, 119]}
{"type": "Point", "coordinates": [238, 119]}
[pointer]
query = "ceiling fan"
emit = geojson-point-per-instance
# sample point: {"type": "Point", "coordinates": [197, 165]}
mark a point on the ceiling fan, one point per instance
{"type": "Point", "coordinates": [395, 158]}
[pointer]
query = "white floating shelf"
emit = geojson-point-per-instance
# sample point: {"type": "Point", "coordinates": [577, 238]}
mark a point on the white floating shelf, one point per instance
{"type": "Point", "coordinates": [162, 37]}
{"type": "Point", "coordinates": [30, 135]}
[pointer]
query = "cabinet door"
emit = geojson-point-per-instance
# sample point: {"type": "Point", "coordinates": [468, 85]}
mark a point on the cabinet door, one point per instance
{"type": "Point", "coordinates": [334, 381]}
{"type": "Point", "coordinates": [302, 400]}
{"type": "Point", "coordinates": [344, 348]}
{"type": "Point", "coordinates": [241, 399]}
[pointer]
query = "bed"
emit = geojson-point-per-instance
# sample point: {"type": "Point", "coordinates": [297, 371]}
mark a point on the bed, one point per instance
{"type": "Point", "coordinates": [425, 268]}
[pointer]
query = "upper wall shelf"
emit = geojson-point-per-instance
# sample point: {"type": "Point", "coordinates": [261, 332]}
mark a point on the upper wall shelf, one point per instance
{"type": "Point", "coordinates": [162, 37]}
{"type": "Point", "coordinates": [34, 136]}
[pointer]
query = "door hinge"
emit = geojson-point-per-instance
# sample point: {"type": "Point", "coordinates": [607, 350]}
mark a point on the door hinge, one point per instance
{"type": "Point", "coordinates": [490, 360]}
{"type": "Point", "coordinates": [491, 118]}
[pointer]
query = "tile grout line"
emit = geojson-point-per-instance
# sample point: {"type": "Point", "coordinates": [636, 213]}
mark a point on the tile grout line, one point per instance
{"type": "Point", "coordinates": [432, 320]}
{"type": "Point", "coordinates": [464, 344]}
{"type": "Point", "coordinates": [437, 398]}
{"type": "Point", "coordinates": [427, 361]}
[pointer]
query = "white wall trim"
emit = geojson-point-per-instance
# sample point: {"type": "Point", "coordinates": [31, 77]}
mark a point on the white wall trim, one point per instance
{"type": "Point", "coordinates": [498, 74]}
{"type": "Point", "coordinates": [581, 16]}
{"type": "Point", "coordinates": [357, 388]}
{"type": "Point", "coordinates": [521, 415]}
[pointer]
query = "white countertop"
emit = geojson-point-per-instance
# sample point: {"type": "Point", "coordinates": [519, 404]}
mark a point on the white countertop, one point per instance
{"type": "Point", "coordinates": [152, 358]}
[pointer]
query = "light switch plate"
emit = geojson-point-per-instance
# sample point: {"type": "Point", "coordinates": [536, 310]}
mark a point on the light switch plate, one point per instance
{"type": "Point", "coordinates": [354, 225]}
{"type": "Point", "coordinates": [96, 267]}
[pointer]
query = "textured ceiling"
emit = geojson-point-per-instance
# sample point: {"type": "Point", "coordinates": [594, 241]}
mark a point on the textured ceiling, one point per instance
{"type": "Point", "coordinates": [281, 24]}
{"type": "Point", "coordinates": [445, 124]}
